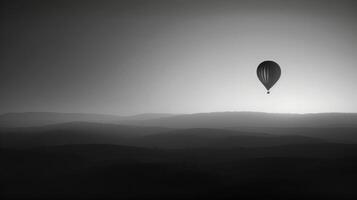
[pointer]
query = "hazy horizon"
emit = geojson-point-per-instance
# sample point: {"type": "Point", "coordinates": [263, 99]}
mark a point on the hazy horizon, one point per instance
{"type": "Point", "coordinates": [175, 114]}
{"type": "Point", "coordinates": [134, 57]}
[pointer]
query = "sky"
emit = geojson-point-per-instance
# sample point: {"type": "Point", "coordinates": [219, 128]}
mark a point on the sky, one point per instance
{"type": "Point", "coordinates": [177, 56]}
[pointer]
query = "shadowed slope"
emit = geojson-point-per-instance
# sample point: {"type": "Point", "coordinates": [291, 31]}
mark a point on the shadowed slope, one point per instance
{"type": "Point", "coordinates": [98, 133]}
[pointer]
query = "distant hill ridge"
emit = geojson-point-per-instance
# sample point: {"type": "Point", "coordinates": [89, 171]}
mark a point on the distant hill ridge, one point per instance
{"type": "Point", "coordinates": [251, 119]}
{"type": "Point", "coordinates": [28, 119]}
{"type": "Point", "coordinates": [198, 120]}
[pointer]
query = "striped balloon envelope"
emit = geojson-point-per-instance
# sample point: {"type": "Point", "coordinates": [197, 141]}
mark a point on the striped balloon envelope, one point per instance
{"type": "Point", "coordinates": [268, 73]}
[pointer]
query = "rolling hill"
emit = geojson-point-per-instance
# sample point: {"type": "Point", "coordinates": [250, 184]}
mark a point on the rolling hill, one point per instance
{"type": "Point", "coordinates": [250, 119]}
{"type": "Point", "coordinates": [30, 119]}
{"type": "Point", "coordinates": [158, 137]}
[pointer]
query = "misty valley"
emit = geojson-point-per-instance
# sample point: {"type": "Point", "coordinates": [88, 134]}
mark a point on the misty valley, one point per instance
{"type": "Point", "coordinates": [226, 155]}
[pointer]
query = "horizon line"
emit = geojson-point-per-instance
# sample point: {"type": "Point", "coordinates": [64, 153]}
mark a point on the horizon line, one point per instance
{"type": "Point", "coordinates": [145, 113]}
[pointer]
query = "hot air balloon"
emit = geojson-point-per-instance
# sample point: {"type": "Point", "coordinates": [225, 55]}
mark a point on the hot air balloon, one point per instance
{"type": "Point", "coordinates": [268, 73]}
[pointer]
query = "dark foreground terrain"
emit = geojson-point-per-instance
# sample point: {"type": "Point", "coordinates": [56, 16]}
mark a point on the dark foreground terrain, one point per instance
{"type": "Point", "coordinates": [199, 156]}
{"type": "Point", "coordinates": [324, 171]}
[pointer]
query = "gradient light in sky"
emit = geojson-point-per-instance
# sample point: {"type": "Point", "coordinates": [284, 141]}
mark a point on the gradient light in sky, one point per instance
{"type": "Point", "coordinates": [128, 57]}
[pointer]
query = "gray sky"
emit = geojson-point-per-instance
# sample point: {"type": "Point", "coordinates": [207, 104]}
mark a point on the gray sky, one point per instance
{"type": "Point", "coordinates": [177, 56]}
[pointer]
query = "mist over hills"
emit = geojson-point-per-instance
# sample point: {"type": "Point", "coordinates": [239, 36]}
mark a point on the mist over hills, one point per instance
{"type": "Point", "coordinates": [29, 119]}
{"type": "Point", "coordinates": [251, 119]}
{"type": "Point", "coordinates": [198, 120]}
{"type": "Point", "coordinates": [218, 130]}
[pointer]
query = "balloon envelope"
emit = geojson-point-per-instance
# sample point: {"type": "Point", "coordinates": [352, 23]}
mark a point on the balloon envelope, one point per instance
{"type": "Point", "coordinates": [268, 73]}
